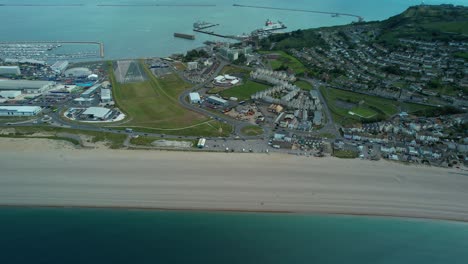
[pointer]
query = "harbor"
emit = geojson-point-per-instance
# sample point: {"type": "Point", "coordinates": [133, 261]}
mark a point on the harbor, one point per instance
{"type": "Point", "coordinates": [51, 50]}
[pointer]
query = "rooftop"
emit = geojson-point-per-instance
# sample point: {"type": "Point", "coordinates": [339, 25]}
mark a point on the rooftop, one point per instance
{"type": "Point", "coordinates": [20, 108]}
{"type": "Point", "coordinates": [22, 84]}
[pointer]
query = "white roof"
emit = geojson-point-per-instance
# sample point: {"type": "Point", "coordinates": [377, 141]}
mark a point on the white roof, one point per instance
{"type": "Point", "coordinates": [105, 94]}
{"type": "Point", "coordinates": [9, 93]}
{"type": "Point", "coordinates": [99, 112]}
{"type": "Point", "coordinates": [235, 81]}
{"type": "Point", "coordinates": [219, 78]}
{"type": "Point", "coordinates": [194, 96]}
{"type": "Point", "coordinates": [32, 109]}
{"type": "Point", "coordinates": [229, 77]}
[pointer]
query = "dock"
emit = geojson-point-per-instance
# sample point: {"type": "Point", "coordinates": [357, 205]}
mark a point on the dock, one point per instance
{"type": "Point", "coordinates": [184, 36]}
{"type": "Point", "coordinates": [101, 44]}
{"type": "Point", "coordinates": [211, 33]}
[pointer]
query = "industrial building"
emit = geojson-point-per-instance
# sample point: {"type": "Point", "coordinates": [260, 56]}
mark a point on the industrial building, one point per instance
{"type": "Point", "coordinates": [97, 113]}
{"type": "Point", "coordinates": [195, 98]}
{"type": "Point", "coordinates": [10, 70]}
{"type": "Point", "coordinates": [59, 66]}
{"type": "Point", "coordinates": [10, 94]}
{"type": "Point", "coordinates": [26, 86]}
{"type": "Point", "coordinates": [217, 101]}
{"type": "Point", "coordinates": [78, 72]}
{"type": "Point", "coordinates": [193, 65]}
{"type": "Point", "coordinates": [19, 110]}
{"type": "Point", "coordinates": [106, 95]}
{"type": "Point", "coordinates": [91, 91]}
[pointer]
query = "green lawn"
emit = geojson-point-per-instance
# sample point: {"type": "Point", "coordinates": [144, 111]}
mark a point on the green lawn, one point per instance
{"type": "Point", "coordinates": [252, 130]}
{"type": "Point", "coordinates": [153, 105]}
{"type": "Point", "coordinates": [345, 154]}
{"type": "Point", "coordinates": [147, 141]}
{"type": "Point", "coordinates": [286, 60]}
{"type": "Point", "coordinates": [304, 85]}
{"type": "Point", "coordinates": [459, 27]}
{"type": "Point", "coordinates": [372, 106]}
{"type": "Point", "coordinates": [244, 91]}
{"type": "Point", "coordinates": [229, 69]}
{"type": "Point", "coordinates": [364, 112]}
{"type": "Point", "coordinates": [463, 55]}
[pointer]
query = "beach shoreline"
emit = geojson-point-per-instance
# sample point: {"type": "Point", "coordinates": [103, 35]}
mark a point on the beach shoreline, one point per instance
{"type": "Point", "coordinates": [47, 173]}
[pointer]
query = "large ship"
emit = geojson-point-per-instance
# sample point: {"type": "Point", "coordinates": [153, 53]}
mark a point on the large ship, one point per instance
{"type": "Point", "coordinates": [270, 25]}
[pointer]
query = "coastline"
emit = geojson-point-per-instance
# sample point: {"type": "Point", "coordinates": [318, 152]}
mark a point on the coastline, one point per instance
{"type": "Point", "coordinates": [45, 173]}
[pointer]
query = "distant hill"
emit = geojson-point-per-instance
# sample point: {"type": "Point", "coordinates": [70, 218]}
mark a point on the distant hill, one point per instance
{"type": "Point", "coordinates": [427, 22]}
{"type": "Point", "coordinates": [423, 22]}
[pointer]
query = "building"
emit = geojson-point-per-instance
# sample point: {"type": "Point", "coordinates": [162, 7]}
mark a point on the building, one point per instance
{"type": "Point", "coordinates": [10, 70]}
{"type": "Point", "coordinates": [106, 96]}
{"type": "Point", "coordinates": [97, 113]}
{"type": "Point", "coordinates": [226, 80]}
{"type": "Point", "coordinates": [78, 72]}
{"type": "Point", "coordinates": [59, 66]}
{"type": "Point", "coordinates": [193, 65]}
{"type": "Point", "coordinates": [91, 91]}
{"type": "Point", "coordinates": [10, 94]}
{"type": "Point", "coordinates": [93, 77]}
{"type": "Point", "coordinates": [19, 110]}
{"type": "Point", "coordinates": [26, 86]}
{"type": "Point", "coordinates": [217, 101]}
{"type": "Point", "coordinates": [195, 98]}
{"type": "Point", "coordinates": [230, 54]}
{"type": "Point", "coordinates": [317, 118]}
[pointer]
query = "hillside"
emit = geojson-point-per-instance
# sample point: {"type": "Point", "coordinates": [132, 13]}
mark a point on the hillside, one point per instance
{"type": "Point", "coordinates": [427, 22]}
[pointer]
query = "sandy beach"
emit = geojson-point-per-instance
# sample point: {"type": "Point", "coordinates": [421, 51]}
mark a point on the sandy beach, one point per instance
{"type": "Point", "coordinates": [37, 172]}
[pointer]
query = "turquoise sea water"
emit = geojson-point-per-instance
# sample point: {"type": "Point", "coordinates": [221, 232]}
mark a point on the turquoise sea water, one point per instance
{"type": "Point", "coordinates": [45, 235]}
{"type": "Point", "coordinates": [129, 32]}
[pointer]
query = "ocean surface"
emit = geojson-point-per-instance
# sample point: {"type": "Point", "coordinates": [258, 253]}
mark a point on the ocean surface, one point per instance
{"type": "Point", "coordinates": [60, 235]}
{"type": "Point", "coordinates": [145, 31]}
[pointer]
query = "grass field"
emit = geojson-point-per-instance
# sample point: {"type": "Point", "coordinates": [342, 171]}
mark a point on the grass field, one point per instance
{"type": "Point", "coordinates": [286, 60]}
{"type": "Point", "coordinates": [229, 69]}
{"type": "Point", "coordinates": [363, 112]}
{"type": "Point", "coordinates": [304, 85]}
{"type": "Point", "coordinates": [147, 141]}
{"type": "Point", "coordinates": [371, 107]}
{"type": "Point", "coordinates": [244, 91]}
{"type": "Point", "coordinates": [463, 55]}
{"type": "Point", "coordinates": [345, 154]}
{"type": "Point", "coordinates": [153, 106]}
{"type": "Point", "coordinates": [252, 130]}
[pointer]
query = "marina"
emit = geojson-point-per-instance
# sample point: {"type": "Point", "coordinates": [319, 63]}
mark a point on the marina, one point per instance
{"type": "Point", "coordinates": [49, 50]}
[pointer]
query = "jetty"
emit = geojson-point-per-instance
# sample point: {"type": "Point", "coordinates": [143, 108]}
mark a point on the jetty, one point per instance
{"type": "Point", "coordinates": [184, 36]}
{"type": "Point", "coordinates": [334, 14]}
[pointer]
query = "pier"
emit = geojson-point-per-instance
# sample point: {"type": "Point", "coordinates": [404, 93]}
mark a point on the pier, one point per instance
{"type": "Point", "coordinates": [101, 44]}
{"type": "Point", "coordinates": [334, 14]}
{"type": "Point", "coordinates": [218, 35]}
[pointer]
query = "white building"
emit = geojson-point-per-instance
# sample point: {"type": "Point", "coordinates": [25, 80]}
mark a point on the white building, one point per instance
{"type": "Point", "coordinates": [217, 101]}
{"type": "Point", "coordinates": [93, 77]}
{"type": "Point", "coordinates": [106, 95]}
{"type": "Point", "coordinates": [226, 80]}
{"type": "Point", "coordinates": [97, 112]}
{"type": "Point", "coordinates": [26, 86]}
{"type": "Point", "coordinates": [10, 70]}
{"type": "Point", "coordinates": [19, 110]}
{"type": "Point", "coordinates": [193, 65]}
{"type": "Point", "coordinates": [195, 98]}
{"type": "Point", "coordinates": [59, 66]}
{"type": "Point", "coordinates": [10, 94]}
{"type": "Point", "coordinates": [78, 72]}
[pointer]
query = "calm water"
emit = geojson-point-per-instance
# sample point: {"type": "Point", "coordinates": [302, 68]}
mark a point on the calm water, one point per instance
{"type": "Point", "coordinates": [148, 31]}
{"type": "Point", "coordinates": [132, 236]}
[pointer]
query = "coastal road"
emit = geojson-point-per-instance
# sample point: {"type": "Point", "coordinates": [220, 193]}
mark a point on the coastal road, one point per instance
{"type": "Point", "coordinates": [44, 173]}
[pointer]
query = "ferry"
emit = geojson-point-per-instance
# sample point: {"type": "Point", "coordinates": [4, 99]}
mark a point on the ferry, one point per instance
{"type": "Point", "coordinates": [270, 25]}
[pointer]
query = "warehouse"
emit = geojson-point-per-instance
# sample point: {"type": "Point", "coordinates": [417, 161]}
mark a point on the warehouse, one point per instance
{"type": "Point", "coordinates": [10, 94]}
{"type": "Point", "coordinates": [106, 95]}
{"type": "Point", "coordinates": [19, 110]}
{"type": "Point", "coordinates": [59, 66]}
{"type": "Point", "coordinates": [88, 93]}
{"type": "Point", "coordinates": [26, 86]}
{"type": "Point", "coordinates": [10, 70]}
{"type": "Point", "coordinates": [195, 98]}
{"type": "Point", "coordinates": [97, 113]}
{"type": "Point", "coordinates": [78, 72]}
{"type": "Point", "coordinates": [218, 101]}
